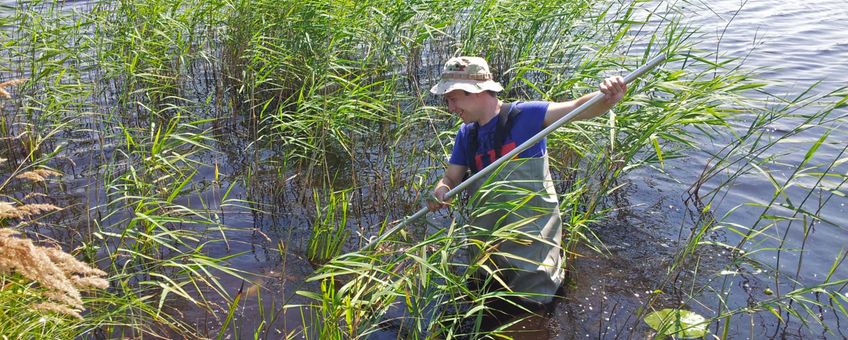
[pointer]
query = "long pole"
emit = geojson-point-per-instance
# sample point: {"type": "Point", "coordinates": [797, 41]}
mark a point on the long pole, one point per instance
{"type": "Point", "coordinates": [533, 140]}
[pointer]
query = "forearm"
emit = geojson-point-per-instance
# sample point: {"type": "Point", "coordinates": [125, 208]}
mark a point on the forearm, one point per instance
{"type": "Point", "coordinates": [561, 109]}
{"type": "Point", "coordinates": [593, 111]}
{"type": "Point", "coordinates": [613, 88]}
{"type": "Point", "coordinates": [452, 178]}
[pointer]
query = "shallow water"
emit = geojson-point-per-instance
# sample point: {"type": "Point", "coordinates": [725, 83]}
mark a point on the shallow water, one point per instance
{"type": "Point", "coordinates": [797, 44]}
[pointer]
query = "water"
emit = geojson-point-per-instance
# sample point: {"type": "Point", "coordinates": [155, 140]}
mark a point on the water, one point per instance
{"type": "Point", "coordinates": [796, 44]}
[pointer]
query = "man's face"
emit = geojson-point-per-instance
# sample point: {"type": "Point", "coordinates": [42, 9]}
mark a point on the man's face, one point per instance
{"type": "Point", "coordinates": [464, 104]}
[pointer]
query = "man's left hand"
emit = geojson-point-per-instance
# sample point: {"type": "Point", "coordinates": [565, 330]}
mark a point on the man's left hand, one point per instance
{"type": "Point", "coordinates": [614, 89]}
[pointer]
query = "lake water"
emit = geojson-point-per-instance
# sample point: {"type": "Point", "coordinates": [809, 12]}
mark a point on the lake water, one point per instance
{"type": "Point", "coordinates": [793, 44]}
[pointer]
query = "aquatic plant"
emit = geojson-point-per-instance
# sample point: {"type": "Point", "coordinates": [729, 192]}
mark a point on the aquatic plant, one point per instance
{"type": "Point", "coordinates": [790, 296]}
{"type": "Point", "coordinates": [40, 286]}
{"type": "Point", "coordinates": [330, 232]}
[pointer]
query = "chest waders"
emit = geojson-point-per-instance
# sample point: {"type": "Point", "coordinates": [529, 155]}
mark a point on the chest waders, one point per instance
{"type": "Point", "coordinates": [515, 221]}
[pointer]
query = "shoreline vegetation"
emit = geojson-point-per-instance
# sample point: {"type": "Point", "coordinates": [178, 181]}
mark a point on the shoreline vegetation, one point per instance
{"type": "Point", "coordinates": [152, 152]}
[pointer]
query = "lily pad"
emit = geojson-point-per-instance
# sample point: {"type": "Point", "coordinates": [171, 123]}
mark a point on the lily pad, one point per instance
{"type": "Point", "coordinates": [679, 323]}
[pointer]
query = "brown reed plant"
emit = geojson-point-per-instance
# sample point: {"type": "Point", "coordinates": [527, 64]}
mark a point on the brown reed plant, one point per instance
{"type": "Point", "coordinates": [59, 273]}
{"type": "Point", "coordinates": [9, 211]}
{"type": "Point", "coordinates": [37, 175]}
{"type": "Point", "coordinates": [5, 84]}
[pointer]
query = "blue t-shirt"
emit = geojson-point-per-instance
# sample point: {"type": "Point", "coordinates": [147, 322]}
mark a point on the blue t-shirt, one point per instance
{"type": "Point", "coordinates": [527, 123]}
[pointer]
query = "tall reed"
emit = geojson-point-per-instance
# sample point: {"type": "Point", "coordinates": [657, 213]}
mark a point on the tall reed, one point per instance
{"type": "Point", "coordinates": [113, 87]}
{"type": "Point", "coordinates": [322, 109]}
{"type": "Point", "coordinates": [40, 286]}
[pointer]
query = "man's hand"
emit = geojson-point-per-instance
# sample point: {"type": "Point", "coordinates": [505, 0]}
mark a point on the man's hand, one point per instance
{"type": "Point", "coordinates": [614, 89]}
{"type": "Point", "coordinates": [437, 200]}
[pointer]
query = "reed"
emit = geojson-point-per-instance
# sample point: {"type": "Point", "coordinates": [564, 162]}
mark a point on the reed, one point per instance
{"type": "Point", "coordinates": [58, 273]}
{"type": "Point", "coordinates": [40, 286]}
{"type": "Point", "coordinates": [321, 110]}
{"type": "Point", "coordinates": [330, 231]}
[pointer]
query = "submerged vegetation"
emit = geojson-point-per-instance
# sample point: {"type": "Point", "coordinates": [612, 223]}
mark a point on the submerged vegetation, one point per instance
{"type": "Point", "coordinates": [195, 138]}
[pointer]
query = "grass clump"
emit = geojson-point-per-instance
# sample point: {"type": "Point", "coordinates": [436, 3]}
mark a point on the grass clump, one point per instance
{"type": "Point", "coordinates": [330, 231]}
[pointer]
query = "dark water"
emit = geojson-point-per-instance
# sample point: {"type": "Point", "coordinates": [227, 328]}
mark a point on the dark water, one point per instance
{"type": "Point", "coordinates": [796, 44]}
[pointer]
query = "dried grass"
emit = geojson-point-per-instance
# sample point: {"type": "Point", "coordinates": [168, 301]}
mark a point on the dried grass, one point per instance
{"type": "Point", "coordinates": [13, 82]}
{"type": "Point", "coordinates": [32, 195]}
{"type": "Point", "coordinates": [62, 275]}
{"type": "Point", "coordinates": [38, 175]}
{"type": "Point", "coordinates": [8, 210]}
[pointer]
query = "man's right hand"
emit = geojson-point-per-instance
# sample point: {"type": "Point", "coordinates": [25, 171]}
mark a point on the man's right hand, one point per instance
{"type": "Point", "coordinates": [437, 200]}
{"type": "Point", "coordinates": [452, 178]}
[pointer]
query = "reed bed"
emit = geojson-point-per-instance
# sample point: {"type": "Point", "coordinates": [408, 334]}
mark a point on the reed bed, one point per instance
{"type": "Point", "coordinates": [168, 118]}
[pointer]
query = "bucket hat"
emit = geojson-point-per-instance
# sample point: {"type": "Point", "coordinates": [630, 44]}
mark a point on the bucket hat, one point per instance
{"type": "Point", "coordinates": [470, 74]}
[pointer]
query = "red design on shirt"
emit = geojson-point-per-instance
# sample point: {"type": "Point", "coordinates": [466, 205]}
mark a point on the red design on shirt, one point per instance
{"type": "Point", "coordinates": [507, 148]}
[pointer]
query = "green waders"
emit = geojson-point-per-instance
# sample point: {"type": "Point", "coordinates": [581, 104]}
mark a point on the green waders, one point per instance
{"type": "Point", "coordinates": [521, 211]}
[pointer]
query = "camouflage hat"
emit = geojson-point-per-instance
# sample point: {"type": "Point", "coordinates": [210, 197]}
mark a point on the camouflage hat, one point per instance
{"type": "Point", "coordinates": [470, 74]}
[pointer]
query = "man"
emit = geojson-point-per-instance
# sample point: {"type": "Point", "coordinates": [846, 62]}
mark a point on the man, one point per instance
{"type": "Point", "coordinates": [532, 264]}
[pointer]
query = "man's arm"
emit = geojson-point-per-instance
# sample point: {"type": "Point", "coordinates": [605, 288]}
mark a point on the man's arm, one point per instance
{"type": "Point", "coordinates": [452, 177]}
{"type": "Point", "coordinates": [614, 89]}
